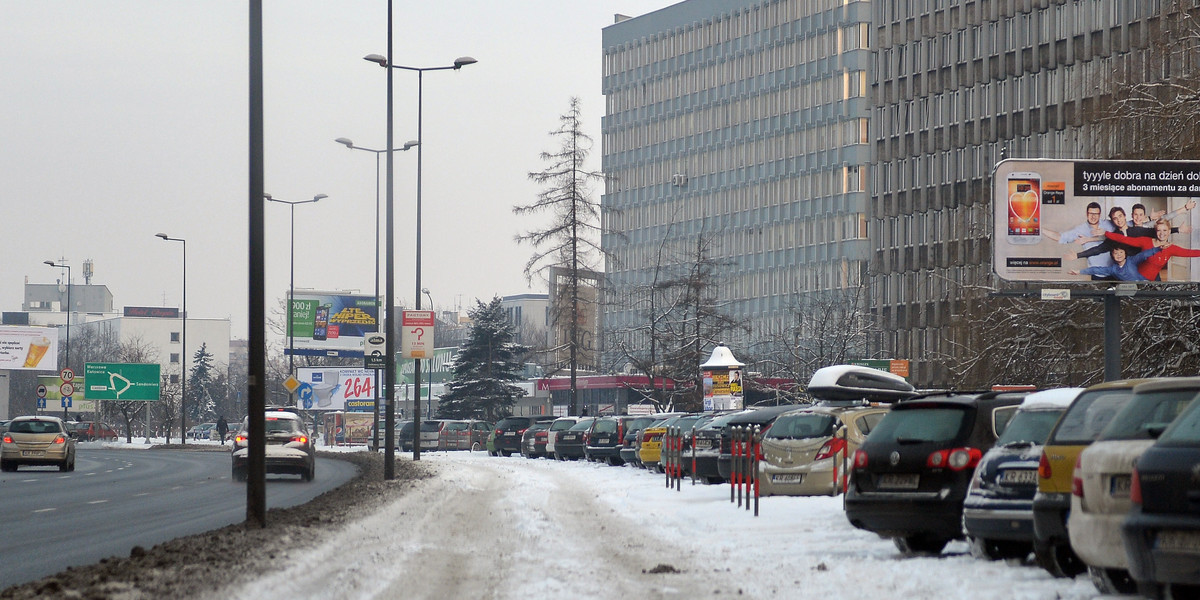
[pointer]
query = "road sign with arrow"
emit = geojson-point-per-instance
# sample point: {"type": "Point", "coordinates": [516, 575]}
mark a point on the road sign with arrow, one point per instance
{"type": "Point", "coordinates": [122, 381]}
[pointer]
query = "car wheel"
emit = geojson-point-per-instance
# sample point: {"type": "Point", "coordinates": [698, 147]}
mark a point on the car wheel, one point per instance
{"type": "Point", "coordinates": [505, 453]}
{"type": "Point", "coordinates": [998, 549]}
{"type": "Point", "coordinates": [920, 544]}
{"type": "Point", "coordinates": [476, 447]}
{"type": "Point", "coordinates": [113, 438]}
{"type": "Point", "coordinates": [615, 462]}
{"type": "Point", "coordinates": [491, 453]}
{"type": "Point", "coordinates": [1112, 581]}
{"type": "Point", "coordinates": [308, 474]}
{"type": "Point", "coordinates": [239, 474]}
{"type": "Point", "coordinates": [7, 466]}
{"type": "Point", "coordinates": [1058, 559]}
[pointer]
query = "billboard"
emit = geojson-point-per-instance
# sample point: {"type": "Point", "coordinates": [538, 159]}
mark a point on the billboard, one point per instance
{"type": "Point", "coordinates": [330, 323]}
{"type": "Point", "coordinates": [28, 348]}
{"type": "Point", "coordinates": [79, 403]}
{"type": "Point", "coordinates": [1078, 221]}
{"type": "Point", "coordinates": [336, 388]}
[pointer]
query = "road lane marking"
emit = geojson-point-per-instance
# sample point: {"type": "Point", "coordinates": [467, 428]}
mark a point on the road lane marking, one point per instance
{"type": "Point", "coordinates": [97, 501]}
{"type": "Point", "coordinates": [42, 510]}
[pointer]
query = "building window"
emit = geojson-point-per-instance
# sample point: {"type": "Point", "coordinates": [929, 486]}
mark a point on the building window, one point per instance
{"type": "Point", "coordinates": [174, 357]}
{"type": "Point", "coordinates": [174, 379]}
{"type": "Point", "coordinates": [174, 337]}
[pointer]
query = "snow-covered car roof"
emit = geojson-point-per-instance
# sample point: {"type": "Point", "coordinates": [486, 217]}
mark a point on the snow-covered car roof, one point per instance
{"type": "Point", "coordinates": [1055, 398]}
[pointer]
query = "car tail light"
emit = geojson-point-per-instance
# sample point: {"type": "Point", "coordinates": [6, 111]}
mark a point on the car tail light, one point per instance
{"type": "Point", "coordinates": [587, 437]}
{"type": "Point", "coordinates": [860, 459]}
{"type": "Point", "coordinates": [1044, 466]}
{"type": "Point", "coordinates": [1077, 479]}
{"type": "Point", "coordinates": [522, 431]}
{"type": "Point", "coordinates": [651, 437]}
{"type": "Point", "coordinates": [8, 439]}
{"type": "Point", "coordinates": [540, 434]}
{"type": "Point", "coordinates": [240, 439]}
{"type": "Point", "coordinates": [61, 439]}
{"type": "Point", "coordinates": [956, 459]}
{"type": "Point", "coordinates": [303, 439]}
{"type": "Point", "coordinates": [831, 448]}
{"type": "Point", "coordinates": [498, 432]}
{"type": "Point", "coordinates": [1135, 488]}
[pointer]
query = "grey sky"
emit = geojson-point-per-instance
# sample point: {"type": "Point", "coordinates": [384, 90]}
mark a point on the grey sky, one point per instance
{"type": "Point", "coordinates": [124, 118]}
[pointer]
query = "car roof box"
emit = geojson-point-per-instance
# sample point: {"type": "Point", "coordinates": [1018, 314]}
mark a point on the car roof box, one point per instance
{"type": "Point", "coordinates": [853, 384]}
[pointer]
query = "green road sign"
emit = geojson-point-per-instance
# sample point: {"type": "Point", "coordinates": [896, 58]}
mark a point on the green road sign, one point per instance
{"type": "Point", "coordinates": [122, 381]}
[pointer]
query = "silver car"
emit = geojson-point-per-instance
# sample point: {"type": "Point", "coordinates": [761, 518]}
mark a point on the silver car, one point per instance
{"type": "Point", "coordinates": [37, 441]}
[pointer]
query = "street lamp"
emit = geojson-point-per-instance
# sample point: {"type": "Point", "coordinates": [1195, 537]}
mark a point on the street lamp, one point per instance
{"type": "Point", "coordinates": [378, 320]}
{"type": "Point", "coordinates": [292, 284]}
{"type": "Point", "coordinates": [67, 359]}
{"type": "Point", "coordinates": [386, 63]}
{"type": "Point", "coordinates": [182, 350]}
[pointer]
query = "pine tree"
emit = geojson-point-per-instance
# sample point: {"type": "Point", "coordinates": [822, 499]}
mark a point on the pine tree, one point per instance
{"type": "Point", "coordinates": [484, 368]}
{"type": "Point", "coordinates": [200, 403]}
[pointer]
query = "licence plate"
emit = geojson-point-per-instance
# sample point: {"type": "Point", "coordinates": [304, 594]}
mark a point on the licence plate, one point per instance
{"type": "Point", "coordinates": [567, 438]}
{"type": "Point", "coordinates": [1018, 476]}
{"type": "Point", "coordinates": [704, 444]}
{"type": "Point", "coordinates": [1119, 485]}
{"type": "Point", "coordinates": [901, 481]}
{"type": "Point", "coordinates": [788, 478]}
{"type": "Point", "coordinates": [33, 453]}
{"type": "Point", "coordinates": [604, 440]}
{"type": "Point", "coordinates": [1179, 541]}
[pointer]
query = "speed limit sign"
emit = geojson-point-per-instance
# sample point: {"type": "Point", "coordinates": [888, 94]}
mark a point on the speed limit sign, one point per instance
{"type": "Point", "coordinates": [67, 375]}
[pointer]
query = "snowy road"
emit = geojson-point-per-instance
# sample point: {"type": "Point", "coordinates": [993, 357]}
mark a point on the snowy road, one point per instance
{"type": "Point", "coordinates": [513, 528]}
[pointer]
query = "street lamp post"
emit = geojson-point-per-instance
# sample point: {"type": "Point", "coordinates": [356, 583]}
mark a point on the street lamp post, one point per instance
{"type": "Point", "coordinates": [292, 283]}
{"type": "Point", "coordinates": [67, 359]}
{"type": "Point", "coordinates": [182, 349]}
{"type": "Point", "coordinates": [378, 317]}
{"type": "Point", "coordinates": [429, 395]}
{"type": "Point", "coordinates": [387, 64]}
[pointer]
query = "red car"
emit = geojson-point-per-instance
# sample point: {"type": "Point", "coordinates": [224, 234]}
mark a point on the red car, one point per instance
{"type": "Point", "coordinates": [86, 431]}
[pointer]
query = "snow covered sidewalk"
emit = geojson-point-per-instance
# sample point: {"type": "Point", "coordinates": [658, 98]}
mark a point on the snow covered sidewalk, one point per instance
{"type": "Point", "coordinates": [513, 528]}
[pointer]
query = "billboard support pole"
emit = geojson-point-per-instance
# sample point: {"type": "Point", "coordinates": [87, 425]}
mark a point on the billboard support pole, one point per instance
{"type": "Point", "coordinates": [1112, 337]}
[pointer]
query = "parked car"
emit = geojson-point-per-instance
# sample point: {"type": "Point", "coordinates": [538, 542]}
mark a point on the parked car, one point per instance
{"type": "Point", "coordinates": [86, 431]}
{"type": "Point", "coordinates": [708, 447]}
{"type": "Point", "coordinates": [37, 441]}
{"type": "Point", "coordinates": [569, 444]}
{"type": "Point", "coordinates": [289, 449]}
{"type": "Point", "coordinates": [468, 434]}
{"type": "Point", "coordinates": [911, 474]}
{"type": "Point", "coordinates": [556, 426]}
{"type": "Point", "coordinates": [1162, 530]}
{"type": "Point", "coordinates": [650, 440]}
{"type": "Point", "coordinates": [431, 434]}
{"type": "Point", "coordinates": [760, 417]}
{"type": "Point", "coordinates": [802, 449]}
{"type": "Point", "coordinates": [4, 425]}
{"type": "Point", "coordinates": [629, 440]}
{"type": "Point", "coordinates": [1104, 475]}
{"type": "Point", "coordinates": [533, 442]}
{"type": "Point", "coordinates": [1087, 416]}
{"type": "Point", "coordinates": [509, 431]}
{"type": "Point", "coordinates": [605, 438]}
{"type": "Point", "coordinates": [201, 431]}
{"type": "Point", "coordinates": [491, 443]}
{"type": "Point", "coordinates": [686, 426]}
{"type": "Point", "coordinates": [998, 510]}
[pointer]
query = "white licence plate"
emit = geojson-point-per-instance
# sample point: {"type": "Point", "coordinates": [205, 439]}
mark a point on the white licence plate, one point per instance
{"type": "Point", "coordinates": [604, 441]}
{"type": "Point", "coordinates": [566, 438]}
{"type": "Point", "coordinates": [704, 444]}
{"type": "Point", "coordinates": [1179, 541]}
{"type": "Point", "coordinates": [1119, 485]}
{"type": "Point", "coordinates": [788, 478]}
{"type": "Point", "coordinates": [33, 453]}
{"type": "Point", "coordinates": [1018, 476]}
{"type": "Point", "coordinates": [901, 481]}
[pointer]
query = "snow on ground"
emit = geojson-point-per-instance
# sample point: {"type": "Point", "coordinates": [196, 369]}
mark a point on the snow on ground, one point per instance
{"type": "Point", "coordinates": [514, 528]}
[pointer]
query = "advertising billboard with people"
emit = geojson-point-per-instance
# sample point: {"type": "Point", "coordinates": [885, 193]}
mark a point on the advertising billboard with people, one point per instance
{"type": "Point", "coordinates": [1079, 221]}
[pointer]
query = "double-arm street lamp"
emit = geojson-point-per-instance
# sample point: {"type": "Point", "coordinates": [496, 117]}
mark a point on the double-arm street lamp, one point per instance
{"type": "Point", "coordinates": [387, 64]}
{"type": "Point", "coordinates": [292, 283]}
{"type": "Point", "coordinates": [182, 349]}
{"type": "Point", "coordinates": [67, 359]}
{"type": "Point", "coordinates": [379, 321]}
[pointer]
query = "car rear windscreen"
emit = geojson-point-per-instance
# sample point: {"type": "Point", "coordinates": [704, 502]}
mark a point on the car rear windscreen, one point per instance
{"type": "Point", "coordinates": [922, 425]}
{"type": "Point", "coordinates": [1032, 426]}
{"type": "Point", "coordinates": [798, 427]}
{"type": "Point", "coordinates": [1088, 415]}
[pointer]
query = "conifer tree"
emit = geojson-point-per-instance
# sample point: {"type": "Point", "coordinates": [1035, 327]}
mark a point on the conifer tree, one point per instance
{"type": "Point", "coordinates": [485, 367]}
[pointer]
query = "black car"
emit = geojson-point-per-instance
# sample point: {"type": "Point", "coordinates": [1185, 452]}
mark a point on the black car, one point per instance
{"type": "Point", "coordinates": [998, 510]}
{"type": "Point", "coordinates": [533, 442]}
{"type": "Point", "coordinates": [708, 448]}
{"type": "Point", "coordinates": [510, 430]}
{"type": "Point", "coordinates": [605, 439]}
{"type": "Point", "coordinates": [629, 440]}
{"type": "Point", "coordinates": [911, 474]}
{"type": "Point", "coordinates": [761, 417]}
{"type": "Point", "coordinates": [1162, 532]}
{"type": "Point", "coordinates": [571, 443]}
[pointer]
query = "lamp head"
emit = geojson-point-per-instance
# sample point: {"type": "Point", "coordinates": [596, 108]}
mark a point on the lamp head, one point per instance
{"type": "Point", "coordinates": [410, 144]}
{"type": "Point", "coordinates": [161, 235]}
{"type": "Point", "coordinates": [266, 195]}
{"type": "Point", "coordinates": [424, 290]}
{"type": "Point", "coordinates": [319, 196]}
{"type": "Point", "coordinates": [345, 142]}
{"type": "Point", "coordinates": [463, 61]}
{"type": "Point", "coordinates": [378, 59]}
{"type": "Point", "coordinates": [51, 263]}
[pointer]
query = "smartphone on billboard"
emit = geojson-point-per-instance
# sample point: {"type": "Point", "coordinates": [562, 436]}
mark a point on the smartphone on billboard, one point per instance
{"type": "Point", "coordinates": [1024, 208]}
{"type": "Point", "coordinates": [321, 323]}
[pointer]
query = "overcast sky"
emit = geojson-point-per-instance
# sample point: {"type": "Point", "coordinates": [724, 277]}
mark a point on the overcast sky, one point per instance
{"type": "Point", "coordinates": [120, 119]}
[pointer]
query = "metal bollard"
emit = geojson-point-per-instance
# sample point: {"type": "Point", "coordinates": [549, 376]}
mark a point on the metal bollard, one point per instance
{"type": "Point", "coordinates": [757, 458]}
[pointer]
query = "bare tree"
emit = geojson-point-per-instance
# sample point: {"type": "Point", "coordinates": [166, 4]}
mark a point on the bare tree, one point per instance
{"type": "Point", "coordinates": [571, 241]}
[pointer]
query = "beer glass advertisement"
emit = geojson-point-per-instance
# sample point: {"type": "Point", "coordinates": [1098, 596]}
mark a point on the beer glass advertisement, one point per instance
{"type": "Point", "coordinates": [335, 388]}
{"type": "Point", "coordinates": [28, 348]}
{"type": "Point", "coordinates": [321, 322]}
{"type": "Point", "coordinates": [1081, 221]}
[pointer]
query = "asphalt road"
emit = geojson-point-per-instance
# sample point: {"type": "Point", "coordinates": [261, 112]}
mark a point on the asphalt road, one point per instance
{"type": "Point", "coordinates": [118, 499]}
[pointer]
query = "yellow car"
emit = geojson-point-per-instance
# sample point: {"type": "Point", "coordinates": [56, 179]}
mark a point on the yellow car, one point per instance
{"type": "Point", "coordinates": [650, 440]}
{"type": "Point", "coordinates": [38, 441]}
{"type": "Point", "coordinates": [802, 449]}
